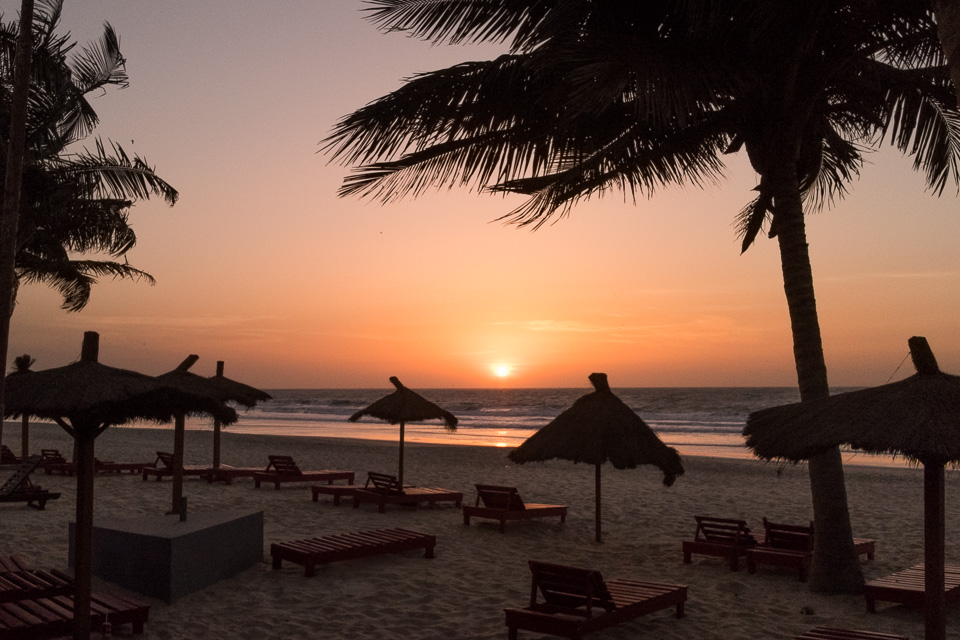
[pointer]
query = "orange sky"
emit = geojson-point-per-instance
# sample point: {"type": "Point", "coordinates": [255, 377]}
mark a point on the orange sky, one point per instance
{"type": "Point", "coordinates": [260, 265]}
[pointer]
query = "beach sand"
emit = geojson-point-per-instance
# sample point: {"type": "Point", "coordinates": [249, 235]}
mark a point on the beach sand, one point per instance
{"type": "Point", "coordinates": [477, 572]}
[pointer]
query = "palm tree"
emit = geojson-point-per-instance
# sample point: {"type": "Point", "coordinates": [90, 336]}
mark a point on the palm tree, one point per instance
{"type": "Point", "coordinates": [74, 202]}
{"type": "Point", "coordinates": [21, 365]}
{"type": "Point", "coordinates": [631, 96]}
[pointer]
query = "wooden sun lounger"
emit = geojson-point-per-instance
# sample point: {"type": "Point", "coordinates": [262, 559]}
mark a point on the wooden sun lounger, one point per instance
{"type": "Point", "coordinates": [724, 537]}
{"type": "Point", "coordinates": [788, 545]}
{"type": "Point", "coordinates": [828, 633]}
{"type": "Point", "coordinates": [163, 466]}
{"type": "Point", "coordinates": [120, 467]}
{"type": "Point", "coordinates": [44, 617]}
{"type": "Point", "coordinates": [19, 488]}
{"type": "Point", "coordinates": [579, 601]}
{"type": "Point", "coordinates": [283, 469]}
{"type": "Point", "coordinates": [7, 456]}
{"type": "Point", "coordinates": [504, 503]}
{"type": "Point", "coordinates": [384, 489]}
{"type": "Point", "coordinates": [227, 474]}
{"type": "Point", "coordinates": [12, 563]}
{"type": "Point", "coordinates": [338, 491]}
{"type": "Point", "coordinates": [907, 587]}
{"type": "Point", "coordinates": [33, 583]}
{"type": "Point", "coordinates": [349, 546]}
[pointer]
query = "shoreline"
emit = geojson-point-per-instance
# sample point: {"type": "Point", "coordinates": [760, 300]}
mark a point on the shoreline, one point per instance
{"type": "Point", "coordinates": [712, 445]}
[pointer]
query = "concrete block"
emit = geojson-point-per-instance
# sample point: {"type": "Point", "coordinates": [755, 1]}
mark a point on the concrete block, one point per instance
{"type": "Point", "coordinates": [164, 557]}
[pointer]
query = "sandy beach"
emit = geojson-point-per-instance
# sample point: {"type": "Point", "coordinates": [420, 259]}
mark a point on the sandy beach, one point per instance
{"type": "Point", "coordinates": [477, 572]}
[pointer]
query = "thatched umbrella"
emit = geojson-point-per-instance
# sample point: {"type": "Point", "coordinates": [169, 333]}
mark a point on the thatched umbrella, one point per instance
{"type": "Point", "coordinates": [85, 398]}
{"type": "Point", "coordinates": [918, 418]}
{"type": "Point", "coordinates": [403, 406]}
{"type": "Point", "coordinates": [238, 392]}
{"type": "Point", "coordinates": [599, 428]}
{"type": "Point", "coordinates": [182, 378]}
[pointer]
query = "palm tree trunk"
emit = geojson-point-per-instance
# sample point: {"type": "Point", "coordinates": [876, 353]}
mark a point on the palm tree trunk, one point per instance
{"type": "Point", "coordinates": [948, 30]}
{"type": "Point", "coordinates": [10, 218]}
{"type": "Point", "coordinates": [836, 568]}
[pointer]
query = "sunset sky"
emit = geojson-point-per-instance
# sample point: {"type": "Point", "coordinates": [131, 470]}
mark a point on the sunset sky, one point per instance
{"type": "Point", "coordinates": [262, 266]}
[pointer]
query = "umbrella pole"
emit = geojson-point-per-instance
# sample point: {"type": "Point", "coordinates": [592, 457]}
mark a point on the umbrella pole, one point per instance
{"type": "Point", "coordinates": [933, 551]}
{"type": "Point", "coordinates": [217, 425]}
{"type": "Point", "coordinates": [83, 537]}
{"type": "Point", "coordinates": [400, 474]}
{"type": "Point", "coordinates": [216, 443]}
{"type": "Point", "coordinates": [25, 436]}
{"type": "Point", "coordinates": [597, 482]}
{"type": "Point", "coordinates": [178, 429]}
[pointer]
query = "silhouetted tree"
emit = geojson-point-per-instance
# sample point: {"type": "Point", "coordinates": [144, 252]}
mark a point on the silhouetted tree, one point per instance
{"type": "Point", "coordinates": [73, 202]}
{"type": "Point", "coordinates": [21, 365]}
{"type": "Point", "coordinates": [596, 96]}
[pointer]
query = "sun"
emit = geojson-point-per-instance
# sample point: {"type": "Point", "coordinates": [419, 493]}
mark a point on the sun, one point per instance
{"type": "Point", "coordinates": [502, 370]}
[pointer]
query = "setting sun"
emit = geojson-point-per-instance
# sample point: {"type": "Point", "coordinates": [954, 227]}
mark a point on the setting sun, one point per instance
{"type": "Point", "coordinates": [501, 370]}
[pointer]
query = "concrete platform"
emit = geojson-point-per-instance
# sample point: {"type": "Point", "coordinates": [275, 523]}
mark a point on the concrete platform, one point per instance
{"type": "Point", "coordinates": [161, 556]}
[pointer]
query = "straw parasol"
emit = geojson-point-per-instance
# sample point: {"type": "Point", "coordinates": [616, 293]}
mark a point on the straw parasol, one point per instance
{"type": "Point", "coordinates": [403, 406]}
{"type": "Point", "coordinates": [182, 378]}
{"type": "Point", "coordinates": [918, 417]}
{"type": "Point", "coordinates": [85, 398]}
{"type": "Point", "coordinates": [238, 392]}
{"type": "Point", "coordinates": [596, 429]}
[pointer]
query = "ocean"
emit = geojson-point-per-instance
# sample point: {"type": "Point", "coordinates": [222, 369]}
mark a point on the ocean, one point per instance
{"type": "Point", "coordinates": [697, 421]}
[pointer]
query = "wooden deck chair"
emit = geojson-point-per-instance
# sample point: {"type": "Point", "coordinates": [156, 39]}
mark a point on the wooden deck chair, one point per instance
{"type": "Point", "coordinates": [34, 618]}
{"type": "Point", "coordinates": [23, 584]}
{"type": "Point", "coordinates": [504, 503]}
{"type": "Point", "coordinates": [908, 587]}
{"type": "Point", "coordinates": [7, 456]}
{"type": "Point", "coordinates": [791, 545]}
{"type": "Point", "coordinates": [19, 488]}
{"type": "Point", "coordinates": [283, 469]}
{"type": "Point", "coordinates": [383, 489]}
{"type": "Point", "coordinates": [579, 601]}
{"type": "Point", "coordinates": [163, 466]}
{"type": "Point", "coordinates": [349, 546]}
{"type": "Point", "coordinates": [829, 633]}
{"type": "Point", "coordinates": [723, 537]}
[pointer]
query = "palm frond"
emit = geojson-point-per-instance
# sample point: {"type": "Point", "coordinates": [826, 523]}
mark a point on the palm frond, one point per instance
{"type": "Point", "coordinates": [114, 174]}
{"type": "Point", "coordinates": [74, 279]}
{"type": "Point", "coordinates": [459, 21]}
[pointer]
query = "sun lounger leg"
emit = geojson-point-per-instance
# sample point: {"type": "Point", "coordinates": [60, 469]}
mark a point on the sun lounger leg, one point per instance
{"type": "Point", "coordinates": [512, 633]}
{"type": "Point", "coordinates": [871, 605]}
{"type": "Point", "coordinates": [503, 525]}
{"type": "Point", "coordinates": [466, 518]}
{"type": "Point", "coordinates": [680, 609]}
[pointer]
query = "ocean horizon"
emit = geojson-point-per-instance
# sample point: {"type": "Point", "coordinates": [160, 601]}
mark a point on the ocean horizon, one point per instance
{"type": "Point", "coordinates": [703, 421]}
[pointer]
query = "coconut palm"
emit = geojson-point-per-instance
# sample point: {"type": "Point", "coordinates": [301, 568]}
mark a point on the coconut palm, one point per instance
{"type": "Point", "coordinates": [622, 95]}
{"type": "Point", "coordinates": [21, 365]}
{"type": "Point", "coordinates": [74, 202]}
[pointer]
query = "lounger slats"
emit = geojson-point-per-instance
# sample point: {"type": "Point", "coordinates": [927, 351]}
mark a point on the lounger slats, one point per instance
{"type": "Point", "coordinates": [579, 601]}
{"type": "Point", "coordinates": [283, 469]}
{"type": "Point", "coordinates": [349, 546]}
{"type": "Point", "coordinates": [907, 587]}
{"type": "Point", "coordinates": [829, 633]}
